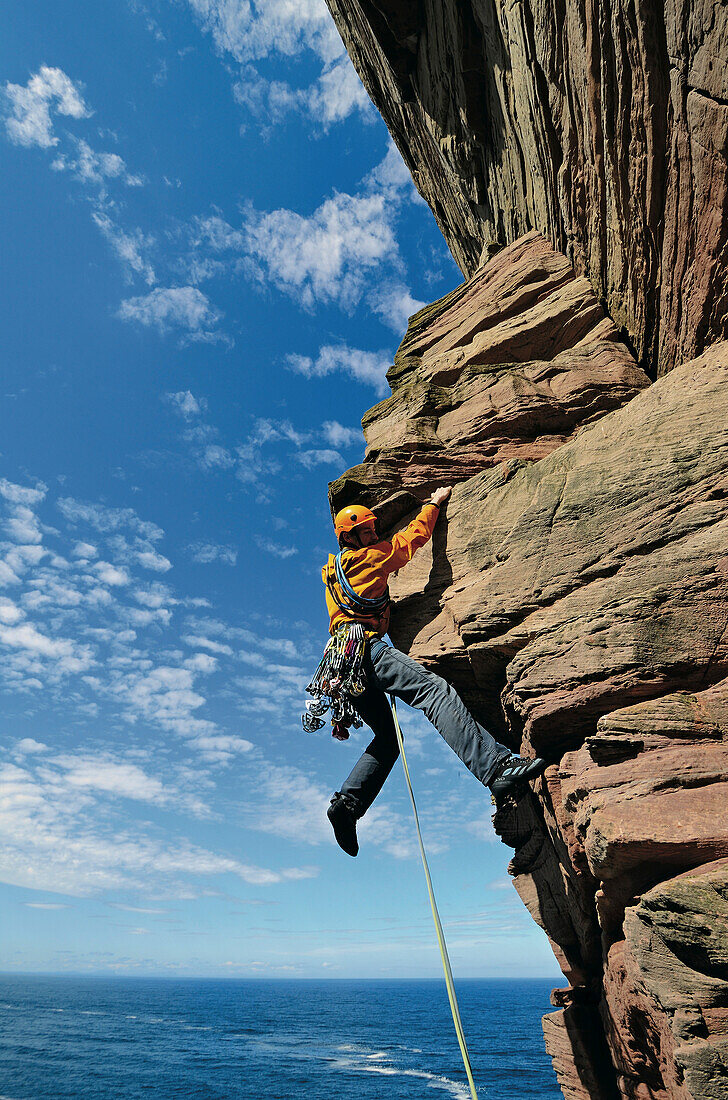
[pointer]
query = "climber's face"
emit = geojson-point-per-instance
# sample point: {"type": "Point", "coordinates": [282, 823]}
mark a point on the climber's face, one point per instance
{"type": "Point", "coordinates": [367, 533]}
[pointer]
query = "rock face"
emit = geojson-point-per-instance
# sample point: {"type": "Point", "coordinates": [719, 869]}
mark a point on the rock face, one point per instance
{"type": "Point", "coordinates": [576, 592]}
{"type": "Point", "coordinates": [509, 365]}
{"type": "Point", "coordinates": [574, 155]}
{"type": "Point", "coordinates": [602, 125]}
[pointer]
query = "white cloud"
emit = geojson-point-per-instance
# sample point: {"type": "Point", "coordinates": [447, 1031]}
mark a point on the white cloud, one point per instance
{"type": "Point", "coordinates": [252, 29]}
{"type": "Point", "coordinates": [128, 246]}
{"type": "Point", "coordinates": [319, 457]}
{"type": "Point", "coordinates": [29, 745]}
{"type": "Point", "coordinates": [50, 841]}
{"type": "Point", "coordinates": [369, 367]}
{"type": "Point", "coordinates": [221, 748]}
{"type": "Point", "coordinates": [105, 519]}
{"type": "Point", "coordinates": [98, 773]}
{"type": "Point", "coordinates": [331, 255]}
{"type": "Point", "coordinates": [339, 436]}
{"type": "Point", "coordinates": [208, 643]}
{"type": "Point", "coordinates": [275, 548]}
{"type": "Point", "coordinates": [88, 166]}
{"type": "Point", "coordinates": [29, 122]}
{"type": "Point", "coordinates": [213, 456]}
{"type": "Point", "coordinates": [395, 305]}
{"type": "Point", "coordinates": [9, 612]}
{"type": "Point", "coordinates": [392, 175]}
{"type": "Point", "coordinates": [336, 94]}
{"type": "Point", "coordinates": [23, 526]}
{"type": "Point", "coordinates": [150, 559]}
{"type": "Point", "coordinates": [85, 550]}
{"type": "Point", "coordinates": [186, 404]}
{"type": "Point", "coordinates": [22, 494]}
{"type": "Point", "coordinates": [110, 574]}
{"type": "Point", "coordinates": [181, 307]}
{"type": "Point", "coordinates": [328, 256]}
{"type": "Point", "coordinates": [206, 552]}
{"type": "Point", "coordinates": [67, 655]}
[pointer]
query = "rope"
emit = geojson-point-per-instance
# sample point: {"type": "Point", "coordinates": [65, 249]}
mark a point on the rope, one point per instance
{"type": "Point", "coordinates": [449, 982]}
{"type": "Point", "coordinates": [350, 602]}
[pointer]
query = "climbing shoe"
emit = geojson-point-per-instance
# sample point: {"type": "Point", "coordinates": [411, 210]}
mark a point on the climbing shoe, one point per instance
{"type": "Point", "coordinates": [343, 821]}
{"type": "Point", "coordinates": [514, 771]}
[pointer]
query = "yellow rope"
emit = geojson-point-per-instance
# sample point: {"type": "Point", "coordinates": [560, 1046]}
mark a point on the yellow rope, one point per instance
{"type": "Point", "coordinates": [436, 917]}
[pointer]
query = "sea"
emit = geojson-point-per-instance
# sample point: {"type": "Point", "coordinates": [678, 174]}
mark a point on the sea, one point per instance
{"type": "Point", "coordinates": [128, 1038]}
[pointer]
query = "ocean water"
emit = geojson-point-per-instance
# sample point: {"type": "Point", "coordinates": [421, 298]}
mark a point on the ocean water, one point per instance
{"type": "Point", "coordinates": [268, 1040]}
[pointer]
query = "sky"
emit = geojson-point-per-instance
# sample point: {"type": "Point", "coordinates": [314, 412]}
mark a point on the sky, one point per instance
{"type": "Point", "coordinates": [211, 249]}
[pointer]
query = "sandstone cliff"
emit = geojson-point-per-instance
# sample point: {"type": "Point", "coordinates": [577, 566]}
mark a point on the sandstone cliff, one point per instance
{"type": "Point", "coordinates": [576, 592]}
{"type": "Point", "coordinates": [602, 124]}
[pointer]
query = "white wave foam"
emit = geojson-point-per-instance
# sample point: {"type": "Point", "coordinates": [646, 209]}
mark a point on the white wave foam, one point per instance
{"type": "Point", "coordinates": [373, 1062]}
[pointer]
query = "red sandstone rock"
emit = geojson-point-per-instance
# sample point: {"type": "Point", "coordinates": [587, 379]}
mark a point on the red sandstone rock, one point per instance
{"type": "Point", "coordinates": [507, 366]}
{"type": "Point", "coordinates": [603, 125]}
{"type": "Point", "coordinates": [575, 1044]}
{"type": "Point", "coordinates": [579, 600]}
{"type": "Point", "coordinates": [666, 989]}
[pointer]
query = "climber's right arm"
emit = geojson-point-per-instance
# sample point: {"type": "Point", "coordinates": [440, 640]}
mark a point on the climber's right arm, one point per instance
{"type": "Point", "coordinates": [417, 533]}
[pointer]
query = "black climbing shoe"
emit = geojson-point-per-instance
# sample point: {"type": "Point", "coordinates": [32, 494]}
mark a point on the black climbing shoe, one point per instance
{"type": "Point", "coordinates": [514, 771]}
{"type": "Point", "coordinates": [344, 822]}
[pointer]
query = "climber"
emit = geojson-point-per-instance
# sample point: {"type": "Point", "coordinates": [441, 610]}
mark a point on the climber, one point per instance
{"type": "Point", "coordinates": [357, 592]}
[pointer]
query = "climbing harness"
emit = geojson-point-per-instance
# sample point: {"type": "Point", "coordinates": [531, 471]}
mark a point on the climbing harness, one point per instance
{"type": "Point", "coordinates": [436, 917]}
{"type": "Point", "coordinates": [350, 602]}
{"type": "Point", "coordinates": [337, 681]}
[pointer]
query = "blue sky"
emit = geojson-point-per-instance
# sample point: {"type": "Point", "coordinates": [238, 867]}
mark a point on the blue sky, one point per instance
{"type": "Point", "coordinates": [211, 249]}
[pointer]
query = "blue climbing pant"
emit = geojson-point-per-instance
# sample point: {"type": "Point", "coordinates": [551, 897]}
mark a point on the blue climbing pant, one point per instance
{"type": "Point", "coordinates": [390, 672]}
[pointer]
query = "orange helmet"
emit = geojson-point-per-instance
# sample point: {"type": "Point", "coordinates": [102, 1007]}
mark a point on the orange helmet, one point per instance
{"type": "Point", "coordinates": [354, 516]}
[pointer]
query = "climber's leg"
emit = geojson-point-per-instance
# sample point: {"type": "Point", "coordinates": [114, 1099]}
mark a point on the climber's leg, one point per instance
{"type": "Point", "coordinates": [367, 777]}
{"type": "Point", "coordinates": [395, 673]}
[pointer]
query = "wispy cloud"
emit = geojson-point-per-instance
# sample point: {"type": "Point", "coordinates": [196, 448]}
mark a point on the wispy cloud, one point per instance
{"type": "Point", "coordinates": [88, 166]}
{"type": "Point", "coordinates": [30, 112]}
{"type": "Point", "coordinates": [256, 459]}
{"type": "Point", "coordinates": [207, 552]}
{"type": "Point", "coordinates": [51, 842]}
{"type": "Point", "coordinates": [395, 304]}
{"type": "Point", "coordinates": [251, 32]}
{"type": "Point", "coordinates": [183, 309]}
{"type": "Point", "coordinates": [331, 255]}
{"type": "Point", "coordinates": [129, 246]}
{"type": "Point", "coordinates": [369, 367]}
{"type": "Point", "coordinates": [276, 549]}
{"type": "Point", "coordinates": [186, 404]}
{"type": "Point", "coordinates": [320, 457]}
{"type": "Point", "coordinates": [339, 436]}
{"type": "Point", "coordinates": [335, 95]}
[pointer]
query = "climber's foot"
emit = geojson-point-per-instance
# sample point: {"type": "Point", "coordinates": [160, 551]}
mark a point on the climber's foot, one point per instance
{"type": "Point", "coordinates": [513, 773]}
{"type": "Point", "coordinates": [344, 824]}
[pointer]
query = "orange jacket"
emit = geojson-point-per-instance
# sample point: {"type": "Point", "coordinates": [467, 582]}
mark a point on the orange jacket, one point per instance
{"type": "Point", "coordinates": [368, 569]}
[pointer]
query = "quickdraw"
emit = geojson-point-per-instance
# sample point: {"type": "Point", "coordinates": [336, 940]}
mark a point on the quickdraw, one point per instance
{"type": "Point", "coordinates": [337, 681]}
